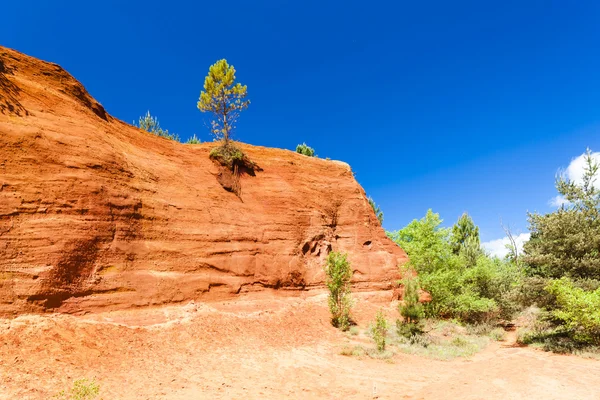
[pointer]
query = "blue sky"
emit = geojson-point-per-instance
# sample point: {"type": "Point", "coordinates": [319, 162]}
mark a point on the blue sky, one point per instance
{"type": "Point", "coordinates": [455, 106]}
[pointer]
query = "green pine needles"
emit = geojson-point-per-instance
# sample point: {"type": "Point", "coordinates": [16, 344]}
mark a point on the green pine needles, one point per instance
{"type": "Point", "coordinates": [339, 275]}
{"type": "Point", "coordinates": [306, 150]}
{"type": "Point", "coordinates": [376, 210]}
{"type": "Point", "coordinates": [193, 140]}
{"type": "Point", "coordinates": [150, 124]}
{"type": "Point", "coordinates": [379, 330]}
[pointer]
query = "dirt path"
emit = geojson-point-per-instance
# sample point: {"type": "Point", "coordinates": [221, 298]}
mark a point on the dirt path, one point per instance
{"type": "Point", "coordinates": [260, 348]}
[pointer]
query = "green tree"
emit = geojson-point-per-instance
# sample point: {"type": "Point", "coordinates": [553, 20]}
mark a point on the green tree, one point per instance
{"type": "Point", "coordinates": [410, 308]}
{"type": "Point", "coordinates": [379, 330]}
{"type": "Point", "coordinates": [470, 292]}
{"type": "Point", "coordinates": [567, 242]}
{"type": "Point", "coordinates": [464, 233]}
{"type": "Point", "coordinates": [223, 98]}
{"type": "Point", "coordinates": [151, 124]}
{"type": "Point", "coordinates": [306, 150]}
{"type": "Point", "coordinates": [578, 310]}
{"type": "Point", "coordinates": [339, 275]}
{"type": "Point", "coordinates": [376, 210]}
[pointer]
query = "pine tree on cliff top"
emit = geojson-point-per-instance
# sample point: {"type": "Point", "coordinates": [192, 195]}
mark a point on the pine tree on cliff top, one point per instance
{"type": "Point", "coordinates": [224, 98]}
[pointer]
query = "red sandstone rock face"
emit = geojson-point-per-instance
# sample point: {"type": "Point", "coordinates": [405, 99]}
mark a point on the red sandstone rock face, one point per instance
{"type": "Point", "coordinates": [95, 213]}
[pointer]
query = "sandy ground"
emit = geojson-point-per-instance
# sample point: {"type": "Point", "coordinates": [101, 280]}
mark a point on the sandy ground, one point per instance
{"type": "Point", "coordinates": [261, 347]}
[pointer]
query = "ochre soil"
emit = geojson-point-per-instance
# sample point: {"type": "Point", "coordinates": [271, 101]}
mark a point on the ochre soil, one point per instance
{"type": "Point", "coordinates": [262, 345]}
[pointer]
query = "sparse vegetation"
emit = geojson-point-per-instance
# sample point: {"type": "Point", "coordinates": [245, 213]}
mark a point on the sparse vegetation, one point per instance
{"type": "Point", "coordinates": [306, 150]}
{"type": "Point", "coordinates": [193, 140]}
{"type": "Point", "coordinates": [151, 124]}
{"type": "Point", "coordinates": [379, 331]}
{"type": "Point", "coordinates": [83, 389]}
{"type": "Point", "coordinates": [443, 341]}
{"type": "Point", "coordinates": [339, 274]}
{"type": "Point", "coordinates": [376, 210]}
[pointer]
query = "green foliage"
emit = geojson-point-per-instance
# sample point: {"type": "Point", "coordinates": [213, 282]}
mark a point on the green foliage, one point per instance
{"type": "Point", "coordinates": [577, 312]}
{"type": "Point", "coordinates": [376, 210]}
{"type": "Point", "coordinates": [151, 124]}
{"type": "Point", "coordinates": [379, 330]}
{"type": "Point", "coordinates": [83, 389]}
{"type": "Point", "coordinates": [306, 150]}
{"type": "Point", "coordinates": [339, 274]}
{"type": "Point", "coordinates": [229, 155]}
{"type": "Point", "coordinates": [223, 98]}
{"type": "Point", "coordinates": [470, 290]}
{"type": "Point", "coordinates": [411, 309]}
{"type": "Point", "coordinates": [408, 330]}
{"type": "Point", "coordinates": [567, 242]}
{"type": "Point", "coordinates": [193, 140]}
{"type": "Point", "coordinates": [464, 233]}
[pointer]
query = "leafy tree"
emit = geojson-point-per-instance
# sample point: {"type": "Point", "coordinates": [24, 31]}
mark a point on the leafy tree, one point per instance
{"type": "Point", "coordinates": [426, 243]}
{"type": "Point", "coordinates": [339, 274]}
{"type": "Point", "coordinates": [151, 124]}
{"type": "Point", "coordinates": [306, 150]}
{"type": "Point", "coordinates": [223, 98]}
{"type": "Point", "coordinates": [193, 140]}
{"type": "Point", "coordinates": [567, 242]}
{"type": "Point", "coordinates": [470, 292]}
{"type": "Point", "coordinates": [379, 330]}
{"type": "Point", "coordinates": [464, 232]}
{"type": "Point", "coordinates": [578, 310]}
{"type": "Point", "coordinates": [376, 209]}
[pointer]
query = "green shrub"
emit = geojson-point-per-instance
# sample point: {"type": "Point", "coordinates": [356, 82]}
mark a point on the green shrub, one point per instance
{"type": "Point", "coordinates": [151, 124]}
{"type": "Point", "coordinates": [408, 330]}
{"type": "Point", "coordinates": [410, 308]}
{"type": "Point", "coordinates": [354, 331]}
{"type": "Point", "coordinates": [461, 286]}
{"type": "Point", "coordinates": [230, 156]}
{"type": "Point", "coordinates": [306, 150]}
{"type": "Point", "coordinates": [83, 389]}
{"type": "Point", "coordinates": [193, 140]}
{"type": "Point", "coordinates": [497, 334]}
{"type": "Point", "coordinates": [339, 274]}
{"type": "Point", "coordinates": [577, 312]}
{"type": "Point", "coordinates": [379, 330]}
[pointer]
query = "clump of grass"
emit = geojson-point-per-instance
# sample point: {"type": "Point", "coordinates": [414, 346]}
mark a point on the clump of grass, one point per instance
{"type": "Point", "coordinates": [354, 331]}
{"type": "Point", "coordinates": [355, 351]}
{"type": "Point", "coordinates": [481, 329]}
{"type": "Point", "coordinates": [497, 334]}
{"type": "Point", "coordinates": [83, 389]}
{"type": "Point", "coordinates": [380, 354]}
{"type": "Point", "coordinates": [442, 340]}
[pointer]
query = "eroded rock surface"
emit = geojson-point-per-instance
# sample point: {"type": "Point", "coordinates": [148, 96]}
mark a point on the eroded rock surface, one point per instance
{"type": "Point", "coordinates": [96, 214]}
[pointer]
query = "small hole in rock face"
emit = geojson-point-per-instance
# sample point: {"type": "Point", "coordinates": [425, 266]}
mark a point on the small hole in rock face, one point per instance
{"type": "Point", "coordinates": [367, 243]}
{"type": "Point", "coordinates": [305, 248]}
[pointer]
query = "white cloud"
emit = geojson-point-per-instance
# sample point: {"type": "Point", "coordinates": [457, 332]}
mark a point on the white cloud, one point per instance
{"type": "Point", "coordinates": [498, 248]}
{"type": "Point", "coordinates": [576, 168]}
{"type": "Point", "coordinates": [574, 172]}
{"type": "Point", "coordinates": [559, 201]}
